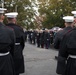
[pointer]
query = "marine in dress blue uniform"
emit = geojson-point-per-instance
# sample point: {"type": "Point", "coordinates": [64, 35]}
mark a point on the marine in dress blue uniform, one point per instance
{"type": "Point", "coordinates": [7, 43]}
{"type": "Point", "coordinates": [19, 44]}
{"type": "Point", "coordinates": [65, 64]}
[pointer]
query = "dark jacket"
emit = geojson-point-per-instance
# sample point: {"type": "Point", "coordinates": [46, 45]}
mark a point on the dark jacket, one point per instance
{"type": "Point", "coordinates": [59, 35]}
{"type": "Point", "coordinates": [18, 54]}
{"type": "Point", "coordinates": [68, 47]}
{"type": "Point", "coordinates": [7, 42]}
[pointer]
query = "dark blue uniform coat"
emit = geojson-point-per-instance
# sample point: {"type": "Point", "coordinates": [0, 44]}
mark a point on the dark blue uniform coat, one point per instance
{"type": "Point", "coordinates": [18, 54]}
{"type": "Point", "coordinates": [68, 47]}
{"type": "Point", "coordinates": [57, 41]}
{"type": "Point", "coordinates": [7, 42]}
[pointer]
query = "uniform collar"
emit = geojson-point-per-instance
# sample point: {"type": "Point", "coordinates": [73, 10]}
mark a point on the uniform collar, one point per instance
{"type": "Point", "coordinates": [10, 24]}
{"type": "Point", "coordinates": [69, 27]}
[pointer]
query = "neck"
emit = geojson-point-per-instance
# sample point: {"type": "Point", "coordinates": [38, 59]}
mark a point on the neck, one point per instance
{"type": "Point", "coordinates": [1, 21]}
{"type": "Point", "coordinates": [11, 22]}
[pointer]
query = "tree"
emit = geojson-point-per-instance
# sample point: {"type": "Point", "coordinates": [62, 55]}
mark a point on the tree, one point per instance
{"type": "Point", "coordinates": [24, 8]}
{"type": "Point", "coordinates": [55, 10]}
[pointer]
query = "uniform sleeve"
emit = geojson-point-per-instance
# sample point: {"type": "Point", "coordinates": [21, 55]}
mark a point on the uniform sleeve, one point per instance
{"type": "Point", "coordinates": [13, 42]}
{"type": "Point", "coordinates": [56, 41]}
{"type": "Point", "coordinates": [63, 51]}
{"type": "Point", "coordinates": [62, 56]}
{"type": "Point", "coordinates": [22, 39]}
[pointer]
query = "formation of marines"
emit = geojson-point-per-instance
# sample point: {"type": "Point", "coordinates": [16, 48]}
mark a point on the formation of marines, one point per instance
{"type": "Point", "coordinates": [12, 43]}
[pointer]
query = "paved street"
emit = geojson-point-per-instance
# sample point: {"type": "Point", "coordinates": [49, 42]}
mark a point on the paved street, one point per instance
{"type": "Point", "coordinates": [39, 61]}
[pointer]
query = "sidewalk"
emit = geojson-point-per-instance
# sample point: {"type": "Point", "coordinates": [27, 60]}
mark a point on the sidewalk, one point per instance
{"type": "Point", "coordinates": [39, 61]}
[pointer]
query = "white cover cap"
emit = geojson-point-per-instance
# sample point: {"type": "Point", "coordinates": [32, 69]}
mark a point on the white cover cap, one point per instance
{"type": "Point", "coordinates": [2, 10]}
{"type": "Point", "coordinates": [68, 18]}
{"type": "Point", "coordinates": [74, 12]}
{"type": "Point", "coordinates": [11, 15]}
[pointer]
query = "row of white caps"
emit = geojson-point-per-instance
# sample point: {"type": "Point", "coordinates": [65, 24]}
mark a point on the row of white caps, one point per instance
{"type": "Point", "coordinates": [14, 14]}
{"type": "Point", "coordinates": [9, 15]}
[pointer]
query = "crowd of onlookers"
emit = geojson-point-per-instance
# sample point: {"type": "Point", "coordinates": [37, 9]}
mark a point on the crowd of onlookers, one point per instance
{"type": "Point", "coordinates": [42, 38]}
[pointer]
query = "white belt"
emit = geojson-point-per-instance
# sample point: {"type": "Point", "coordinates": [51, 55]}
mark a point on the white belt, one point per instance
{"type": "Point", "coordinates": [72, 56]}
{"type": "Point", "coordinates": [3, 54]}
{"type": "Point", "coordinates": [17, 43]}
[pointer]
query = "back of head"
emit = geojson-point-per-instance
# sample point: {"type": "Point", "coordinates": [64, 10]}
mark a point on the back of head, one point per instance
{"type": "Point", "coordinates": [69, 20]}
{"type": "Point", "coordinates": [11, 16]}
